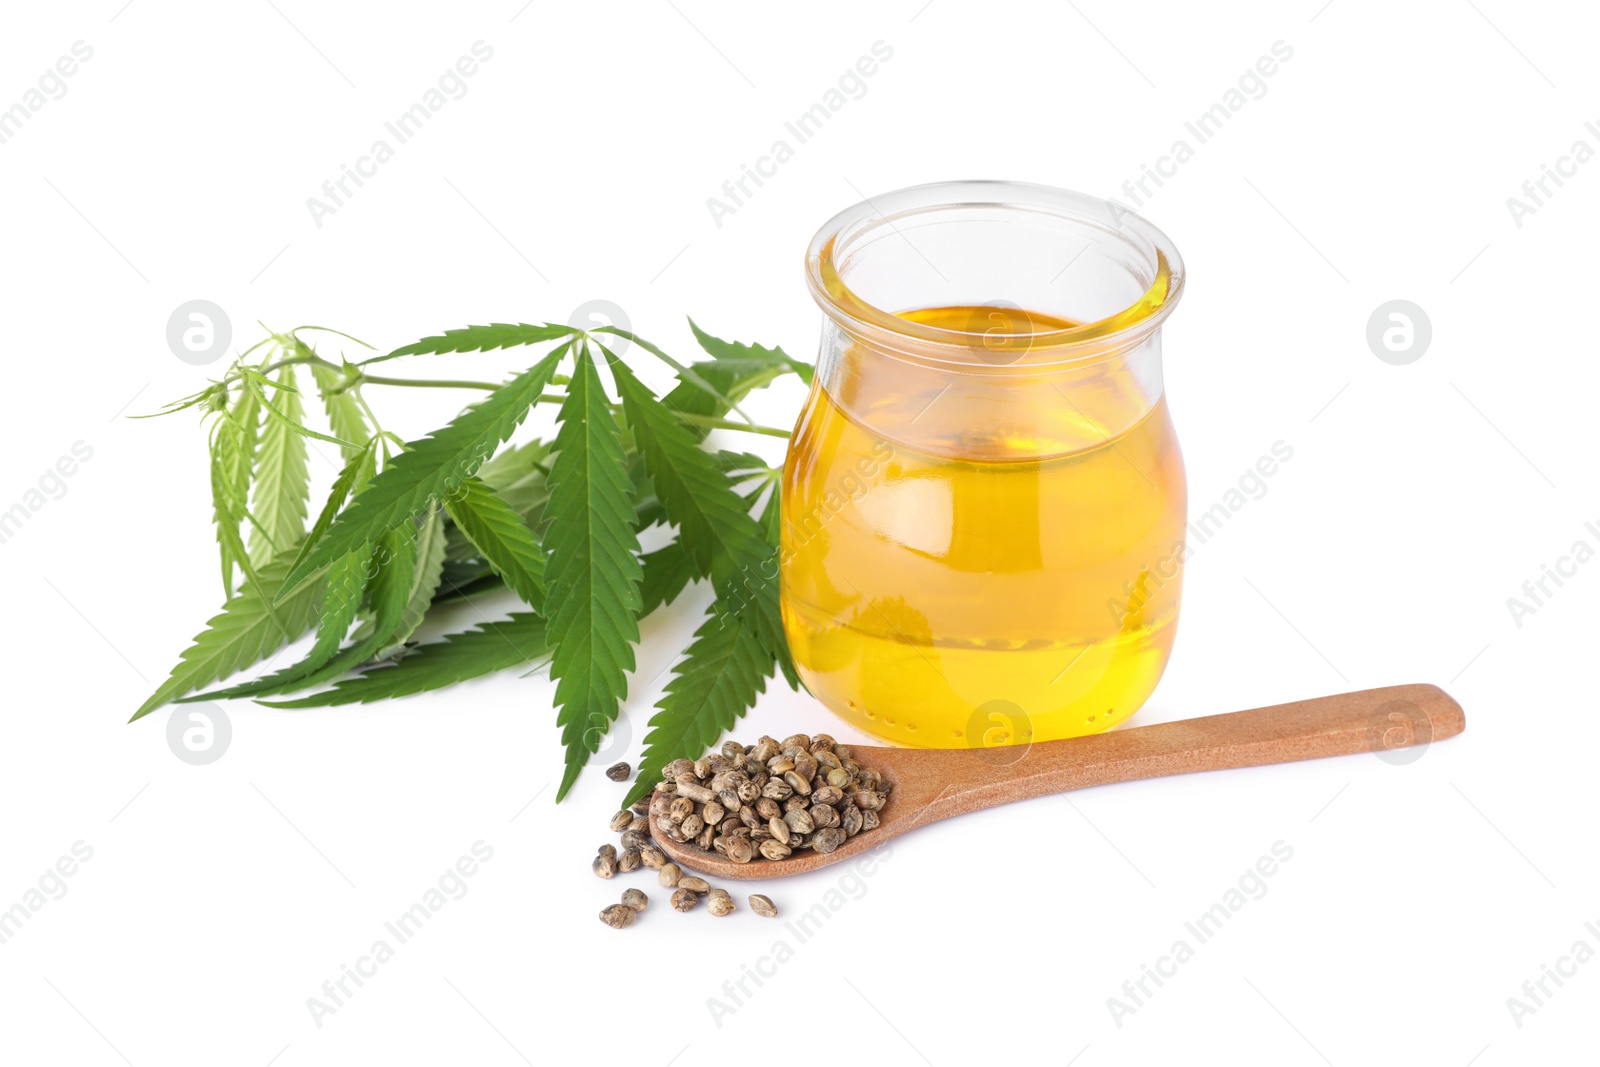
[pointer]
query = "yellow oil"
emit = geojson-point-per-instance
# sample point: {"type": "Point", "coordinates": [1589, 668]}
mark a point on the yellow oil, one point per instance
{"type": "Point", "coordinates": [975, 587]}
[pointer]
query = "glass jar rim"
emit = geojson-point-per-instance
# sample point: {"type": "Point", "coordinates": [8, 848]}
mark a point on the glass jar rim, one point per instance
{"type": "Point", "coordinates": [1090, 340]}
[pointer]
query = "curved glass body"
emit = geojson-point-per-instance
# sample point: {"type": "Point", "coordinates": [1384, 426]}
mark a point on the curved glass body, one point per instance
{"type": "Point", "coordinates": [984, 502]}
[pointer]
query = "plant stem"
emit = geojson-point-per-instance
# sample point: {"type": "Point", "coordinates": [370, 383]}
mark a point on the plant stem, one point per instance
{"type": "Point", "coordinates": [727, 424]}
{"type": "Point", "coordinates": [286, 361]}
{"type": "Point", "coordinates": [449, 383]}
{"type": "Point", "coordinates": [372, 416]}
{"type": "Point", "coordinates": [429, 383]}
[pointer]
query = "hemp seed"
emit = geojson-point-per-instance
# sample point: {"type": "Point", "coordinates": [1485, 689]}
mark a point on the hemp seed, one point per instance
{"type": "Point", "coordinates": [827, 839]}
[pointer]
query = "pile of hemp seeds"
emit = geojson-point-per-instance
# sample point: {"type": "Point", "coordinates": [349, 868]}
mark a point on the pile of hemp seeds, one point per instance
{"type": "Point", "coordinates": [752, 803]}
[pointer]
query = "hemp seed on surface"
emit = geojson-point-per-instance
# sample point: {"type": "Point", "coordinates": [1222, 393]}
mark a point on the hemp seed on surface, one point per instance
{"type": "Point", "coordinates": [757, 803]}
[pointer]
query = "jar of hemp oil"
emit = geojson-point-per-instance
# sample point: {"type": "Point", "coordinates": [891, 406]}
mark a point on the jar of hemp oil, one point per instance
{"type": "Point", "coordinates": [984, 502]}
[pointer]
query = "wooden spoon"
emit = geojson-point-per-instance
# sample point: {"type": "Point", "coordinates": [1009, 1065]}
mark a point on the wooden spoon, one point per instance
{"type": "Point", "coordinates": [930, 784]}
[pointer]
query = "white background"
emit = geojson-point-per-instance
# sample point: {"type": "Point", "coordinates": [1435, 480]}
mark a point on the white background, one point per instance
{"type": "Point", "coordinates": [1419, 498]}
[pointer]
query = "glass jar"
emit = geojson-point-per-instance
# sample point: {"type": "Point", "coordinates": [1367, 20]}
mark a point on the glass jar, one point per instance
{"type": "Point", "coordinates": [984, 501]}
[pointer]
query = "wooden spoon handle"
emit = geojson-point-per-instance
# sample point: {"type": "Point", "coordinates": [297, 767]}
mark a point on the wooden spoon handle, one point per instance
{"type": "Point", "coordinates": [1372, 720]}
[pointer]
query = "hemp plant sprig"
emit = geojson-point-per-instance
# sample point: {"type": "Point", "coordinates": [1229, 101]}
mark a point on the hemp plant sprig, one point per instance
{"type": "Point", "coordinates": [412, 525]}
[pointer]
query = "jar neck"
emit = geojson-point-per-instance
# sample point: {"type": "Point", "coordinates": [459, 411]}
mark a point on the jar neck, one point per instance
{"type": "Point", "coordinates": [993, 317]}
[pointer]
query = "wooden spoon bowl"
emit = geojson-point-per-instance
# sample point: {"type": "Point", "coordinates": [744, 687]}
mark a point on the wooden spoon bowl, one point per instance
{"type": "Point", "coordinates": [930, 784]}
